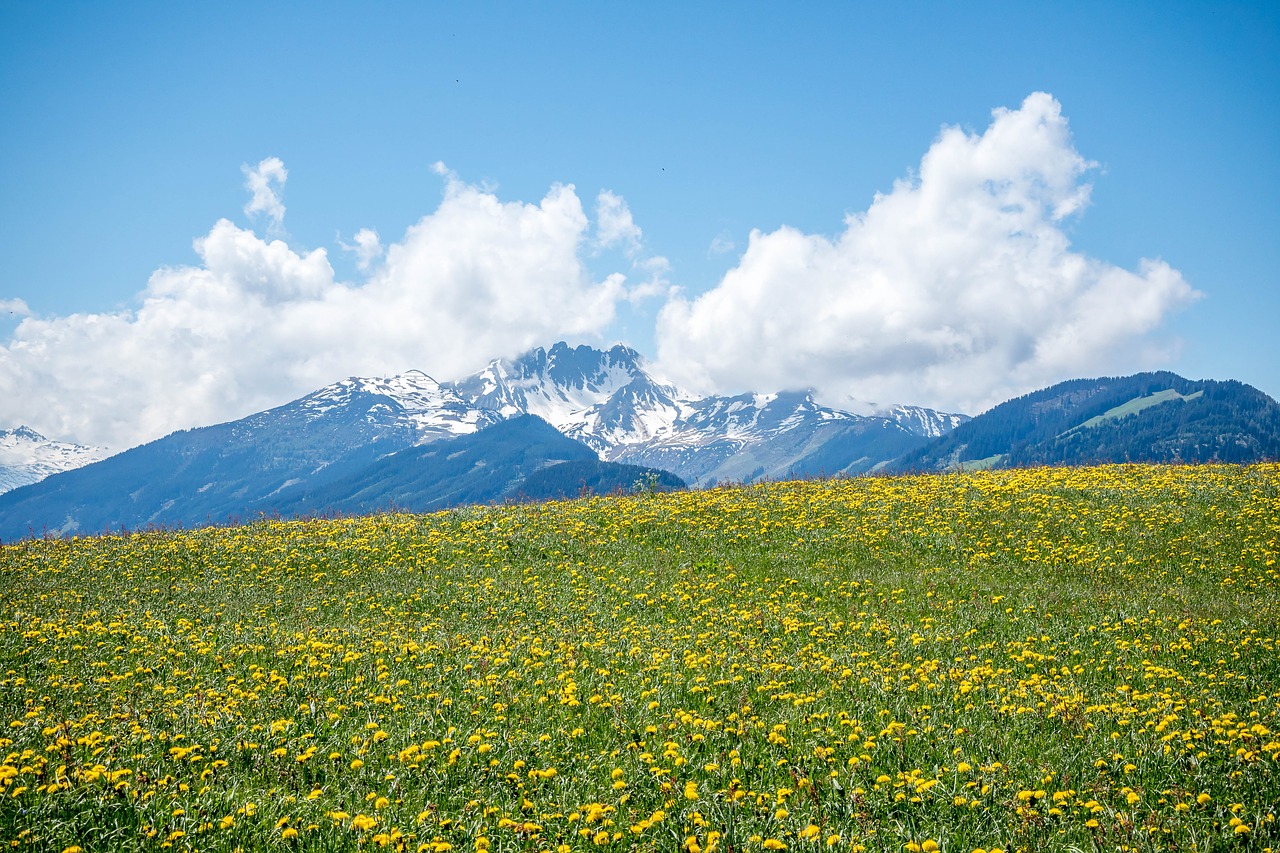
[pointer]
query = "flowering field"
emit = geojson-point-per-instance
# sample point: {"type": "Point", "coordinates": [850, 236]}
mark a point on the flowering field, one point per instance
{"type": "Point", "coordinates": [1046, 659]}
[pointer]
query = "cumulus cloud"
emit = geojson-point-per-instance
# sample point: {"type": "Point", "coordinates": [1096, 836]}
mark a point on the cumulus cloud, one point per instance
{"type": "Point", "coordinates": [265, 183]}
{"type": "Point", "coordinates": [957, 289]}
{"type": "Point", "coordinates": [257, 322]}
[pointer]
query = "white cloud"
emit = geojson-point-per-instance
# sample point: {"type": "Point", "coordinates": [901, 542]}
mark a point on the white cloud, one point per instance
{"type": "Point", "coordinates": [367, 248]}
{"type": "Point", "coordinates": [957, 289]}
{"type": "Point", "coordinates": [657, 284]}
{"type": "Point", "coordinates": [264, 197]}
{"type": "Point", "coordinates": [257, 322]}
{"type": "Point", "coordinates": [615, 228]}
{"type": "Point", "coordinates": [721, 244]}
{"type": "Point", "coordinates": [614, 225]}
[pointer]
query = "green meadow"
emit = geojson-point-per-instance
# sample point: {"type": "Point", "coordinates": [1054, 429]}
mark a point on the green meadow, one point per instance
{"type": "Point", "coordinates": [1027, 660]}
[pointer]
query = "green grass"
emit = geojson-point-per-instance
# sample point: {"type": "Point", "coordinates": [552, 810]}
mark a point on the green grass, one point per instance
{"type": "Point", "coordinates": [1134, 406]}
{"type": "Point", "coordinates": [1029, 660]}
{"type": "Point", "coordinates": [982, 464]}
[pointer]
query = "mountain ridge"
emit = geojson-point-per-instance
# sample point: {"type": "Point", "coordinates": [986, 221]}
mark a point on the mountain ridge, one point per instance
{"type": "Point", "coordinates": [1145, 417]}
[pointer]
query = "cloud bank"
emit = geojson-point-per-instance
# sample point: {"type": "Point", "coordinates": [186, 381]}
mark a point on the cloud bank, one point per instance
{"type": "Point", "coordinates": [256, 322]}
{"type": "Point", "coordinates": [958, 289]}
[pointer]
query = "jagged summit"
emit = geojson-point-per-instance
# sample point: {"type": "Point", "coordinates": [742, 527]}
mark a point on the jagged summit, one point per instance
{"type": "Point", "coordinates": [21, 433]}
{"type": "Point", "coordinates": [581, 366]}
{"type": "Point", "coordinates": [560, 381]}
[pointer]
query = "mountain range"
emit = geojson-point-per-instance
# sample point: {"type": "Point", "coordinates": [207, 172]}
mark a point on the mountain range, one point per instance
{"type": "Point", "coordinates": [329, 450]}
{"type": "Point", "coordinates": [570, 420]}
{"type": "Point", "coordinates": [609, 402]}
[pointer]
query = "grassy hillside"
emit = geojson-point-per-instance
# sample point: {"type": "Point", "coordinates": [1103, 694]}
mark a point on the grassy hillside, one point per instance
{"type": "Point", "coordinates": [1048, 659]}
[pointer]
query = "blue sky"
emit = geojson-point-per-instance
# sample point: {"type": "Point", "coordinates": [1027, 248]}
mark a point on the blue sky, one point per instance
{"type": "Point", "coordinates": [128, 131]}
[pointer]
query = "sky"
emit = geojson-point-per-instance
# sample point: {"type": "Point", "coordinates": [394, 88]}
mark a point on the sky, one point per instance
{"type": "Point", "coordinates": [209, 210]}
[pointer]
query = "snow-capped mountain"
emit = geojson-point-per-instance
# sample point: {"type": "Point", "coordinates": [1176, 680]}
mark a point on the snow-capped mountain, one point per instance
{"type": "Point", "coordinates": [28, 457]}
{"type": "Point", "coordinates": [610, 402]}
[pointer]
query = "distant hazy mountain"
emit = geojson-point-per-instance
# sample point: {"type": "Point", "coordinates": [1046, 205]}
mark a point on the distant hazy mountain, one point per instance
{"type": "Point", "coordinates": [1148, 417]}
{"type": "Point", "coordinates": [28, 457]}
